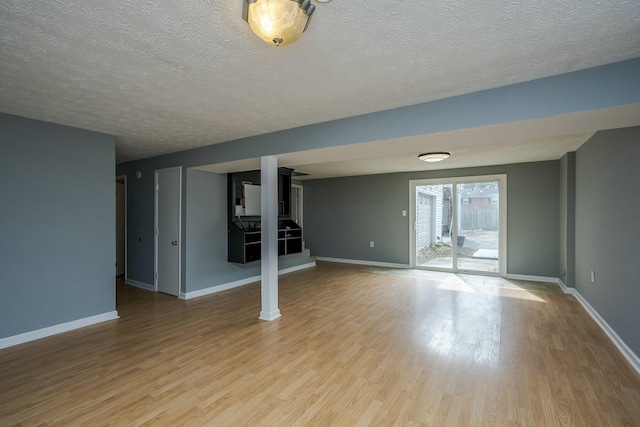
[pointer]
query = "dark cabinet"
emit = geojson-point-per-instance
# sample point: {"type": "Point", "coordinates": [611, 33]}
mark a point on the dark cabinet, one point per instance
{"type": "Point", "coordinates": [244, 245]}
{"type": "Point", "coordinates": [244, 237]}
{"type": "Point", "coordinates": [289, 237]}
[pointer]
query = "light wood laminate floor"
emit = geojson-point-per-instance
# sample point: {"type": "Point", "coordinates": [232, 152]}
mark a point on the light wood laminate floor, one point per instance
{"type": "Point", "coordinates": [351, 348]}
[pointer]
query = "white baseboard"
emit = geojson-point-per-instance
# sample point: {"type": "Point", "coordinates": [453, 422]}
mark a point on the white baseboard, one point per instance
{"type": "Point", "coordinates": [528, 278]}
{"type": "Point", "coordinates": [567, 290]}
{"type": "Point", "coordinates": [140, 285]}
{"type": "Point", "coordinates": [296, 268]}
{"type": "Point", "coordinates": [362, 262]}
{"type": "Point", "coordinates": [269, 316]}
{"type": "Point", "coordinates": [238, 283]}
{"type": "Point", "coordinates": [57, 329]}
{"type": "Point", "coordinates": [218, 288]}
{"type": "Point", "coordinates": [628, 354]}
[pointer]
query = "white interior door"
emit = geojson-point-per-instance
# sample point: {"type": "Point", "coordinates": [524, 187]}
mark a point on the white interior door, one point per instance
{"type": "Point", "coordinates": [168, 218]}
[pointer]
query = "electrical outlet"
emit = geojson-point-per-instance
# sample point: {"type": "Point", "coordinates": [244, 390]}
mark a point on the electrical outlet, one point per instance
{"type": "Point", "coordinates": [371, 244]}
{"type": "Point", "coordinates": [593, 276]}
{"type": "Point", "coordinates": [404, 212]}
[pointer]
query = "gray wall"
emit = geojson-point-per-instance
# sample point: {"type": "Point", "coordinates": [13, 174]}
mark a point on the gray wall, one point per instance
{"type": "Point", "coordinates": [206, 244]}
{"type": "Point", "coordinates": [57, 261]}
{"type": "Point", "coordinates": [205, 231]}
{"type": "Point", "coordinates": [567, 218]}
{"type": "Point", "coordinates": [599, 87]}
{"type": "Point", "coordinates": [341, 215]}
{"type": "Point", "coordinates": [607, 228]}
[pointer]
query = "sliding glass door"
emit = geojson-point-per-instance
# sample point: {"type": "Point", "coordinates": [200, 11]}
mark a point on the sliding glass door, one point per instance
{"type": "Point", "coordinates": [478, 226]}
{"type": "Point", "coordinates": [432, 226]}
{"type": "Point", "coordinates": [458, 224]}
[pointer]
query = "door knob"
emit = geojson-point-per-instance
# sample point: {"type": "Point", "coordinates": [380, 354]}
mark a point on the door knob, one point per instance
{"type": "Point", "coordinates": [174, 243]}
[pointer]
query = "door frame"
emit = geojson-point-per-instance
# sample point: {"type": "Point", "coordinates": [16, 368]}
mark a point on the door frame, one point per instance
{"type": "Point", "coordinates": [432, 230]}
{"type": "Point", "coordinates": [124, 180]}
{"type": "Point", "coordinates": [155, 225]}
{"type": "Point", "coordinates": [502, 206]}
{"type": "Point", "coordinates": [300, 204]}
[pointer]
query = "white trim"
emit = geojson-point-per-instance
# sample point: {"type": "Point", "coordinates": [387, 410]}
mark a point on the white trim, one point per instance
{"type": "Point", "coordinates": [219, 288]}
{"type": "Point", "coordinates": [296, 268]}
{"type": "Point", "coordinates": [271, 315]}
{"type": "Point", "coordinates": [155, 226]}
{"type": "Point", "coordinates": [533, 278]}
{"type": "Point", "coordinates": [301, 204]}
{"type": "Point", "coordinates": [140, 285]}
{"type": "Point", "coordinates": [628, 354]}
{"type": "Point", "coordinates": [238, 283]}
{"type": "Point", "coordinates": [362, 262]}
{"type": "Point", "coordinates": [57, 329]}
{"type": "Point", "coordinates": [567, 290]}
{"type": "Point", "coordinates": [504, 218]}
{"type": "Point", "coordinates": [412, 224]}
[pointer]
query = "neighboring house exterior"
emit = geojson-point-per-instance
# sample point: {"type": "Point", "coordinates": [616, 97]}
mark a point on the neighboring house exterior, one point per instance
{"type": "Point", "coordinates": [429, 215]}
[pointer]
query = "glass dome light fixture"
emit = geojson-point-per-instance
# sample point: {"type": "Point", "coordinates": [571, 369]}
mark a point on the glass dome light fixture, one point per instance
{"type": "Point", "coordinates": [434, 156]}
{"type": "Point", "coordinates": [278, 22]}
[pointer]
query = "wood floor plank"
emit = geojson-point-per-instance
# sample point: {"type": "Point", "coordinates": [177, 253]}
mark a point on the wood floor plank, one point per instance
{"type": "Point", "coordinates": [352, 348]}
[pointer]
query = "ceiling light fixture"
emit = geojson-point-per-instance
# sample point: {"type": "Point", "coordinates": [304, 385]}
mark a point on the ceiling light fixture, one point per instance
{"type": "Point", "coordinates": [434, 156]}
{"type": "Point", "coordinates": [280, 22]}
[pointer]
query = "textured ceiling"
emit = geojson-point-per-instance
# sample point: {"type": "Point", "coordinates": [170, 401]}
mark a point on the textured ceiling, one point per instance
{"type": "Point", "coordinates": [172, 75]}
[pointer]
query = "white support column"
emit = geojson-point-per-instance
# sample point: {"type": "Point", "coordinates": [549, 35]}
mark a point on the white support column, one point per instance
{"type": "Point", "coordinates": [269, 249]}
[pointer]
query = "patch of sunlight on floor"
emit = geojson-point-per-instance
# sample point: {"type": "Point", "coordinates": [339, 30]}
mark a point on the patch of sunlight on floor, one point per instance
{"type": "Point", "coordinates": [470, 283]}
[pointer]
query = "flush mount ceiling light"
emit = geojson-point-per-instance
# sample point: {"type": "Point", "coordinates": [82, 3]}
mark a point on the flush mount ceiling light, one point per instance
{"type": "Point", "coordinates": [278, 22]}
{"type": "Point", "coordinates": [434, 156]}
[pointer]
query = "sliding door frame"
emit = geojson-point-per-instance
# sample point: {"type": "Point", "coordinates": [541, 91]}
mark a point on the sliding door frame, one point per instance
{"type": "Point", "coordinates": [502, 206]}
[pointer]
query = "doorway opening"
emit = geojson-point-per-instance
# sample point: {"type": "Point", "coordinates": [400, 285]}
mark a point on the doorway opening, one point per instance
{"type": "Point", "coordinates": [459, 224]}
{"type": "Point", "coordinates": [296, 207]}
{"type": "Point", "coordinates": [121, 225]}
